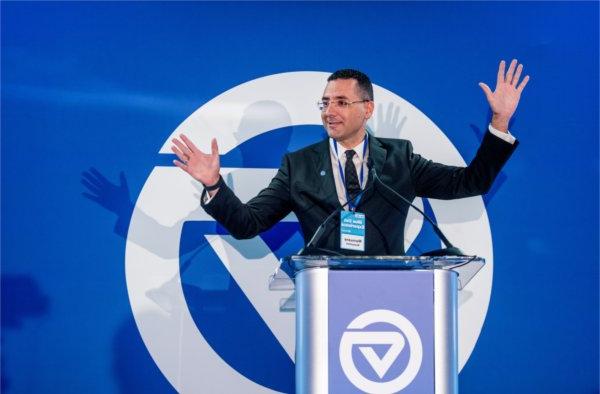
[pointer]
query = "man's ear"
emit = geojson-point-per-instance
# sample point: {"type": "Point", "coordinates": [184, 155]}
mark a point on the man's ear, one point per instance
{"type": "Point", "coordinates": [370, 109]}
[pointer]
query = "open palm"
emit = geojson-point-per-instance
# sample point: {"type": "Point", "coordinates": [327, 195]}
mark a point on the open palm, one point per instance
{"type": "Point", "coordinates": [505, 98]}
{"type": "Point", "coordinates": [204, 167]}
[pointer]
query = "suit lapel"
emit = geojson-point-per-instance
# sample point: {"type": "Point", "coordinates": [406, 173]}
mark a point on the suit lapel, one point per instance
{"type": "Point", "coordinates": [378, 154]}
{"type": "Point", "coordinates": [324, 173]}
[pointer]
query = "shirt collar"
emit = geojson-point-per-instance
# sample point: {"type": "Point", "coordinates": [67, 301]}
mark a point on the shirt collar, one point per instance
{"type": "Point", "coordinates": [359, 149]}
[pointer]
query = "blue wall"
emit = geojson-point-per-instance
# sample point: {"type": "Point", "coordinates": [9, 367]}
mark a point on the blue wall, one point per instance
{"type": "Point", "coordinates": [102, 85]}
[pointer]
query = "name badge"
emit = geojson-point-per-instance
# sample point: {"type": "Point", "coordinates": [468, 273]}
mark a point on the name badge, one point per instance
{"type": "Point", "coordinates": [352, 230]}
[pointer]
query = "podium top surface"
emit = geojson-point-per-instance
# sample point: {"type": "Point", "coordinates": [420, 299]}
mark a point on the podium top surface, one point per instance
{"type": "Point", "coordinates": [466, 267]}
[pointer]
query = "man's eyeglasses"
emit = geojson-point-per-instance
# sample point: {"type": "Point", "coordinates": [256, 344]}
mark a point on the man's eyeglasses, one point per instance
{"type": "Point", "coordinates": [323, 105]}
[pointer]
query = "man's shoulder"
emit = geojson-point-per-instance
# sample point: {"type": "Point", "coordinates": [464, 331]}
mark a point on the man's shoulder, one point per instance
{"type": "Point", "coordinates": [310, 150]}
{"type": "Point", "coordinates": [391, 141]}
{"type": "Point", "coordinates": [392, 145]}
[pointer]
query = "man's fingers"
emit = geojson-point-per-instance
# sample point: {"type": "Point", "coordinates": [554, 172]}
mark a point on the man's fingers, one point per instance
{"type": "Point", "coordinates": [511, 71]}
{"type": "Point", "coordinates": [515, 79]}
{"type": "Point", "coordinates": [189, 143]}
{"type": "Point", "coordinates": [181, 165]}
{"type": "Point", "coordinates": [523, 83]}
{"type": "Point", "coordinates": [184, 149]}
{"type": "Point", "coordinates": [486, 90]}
{"type": "Point", "coordinates": [179, 154]}
{"type": "Point", "coordinates": [501, 68]}
{"type": "Point", "coordinates": [214, 148]}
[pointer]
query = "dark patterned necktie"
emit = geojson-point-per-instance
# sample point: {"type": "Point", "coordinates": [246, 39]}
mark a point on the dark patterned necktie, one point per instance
{"type": "Point", "coordinates": [352, 185]}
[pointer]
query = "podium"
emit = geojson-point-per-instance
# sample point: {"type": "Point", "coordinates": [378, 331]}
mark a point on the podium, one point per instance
{"type": "Point", "coordinates": [375, 324]}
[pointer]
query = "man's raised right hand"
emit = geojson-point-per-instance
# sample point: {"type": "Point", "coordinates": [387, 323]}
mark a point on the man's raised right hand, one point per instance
{"type": "Point", "coordinates": [201, 166]}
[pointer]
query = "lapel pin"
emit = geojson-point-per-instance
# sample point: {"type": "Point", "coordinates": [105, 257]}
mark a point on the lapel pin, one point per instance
{"type": "Point", "coordinates": [322, 172]}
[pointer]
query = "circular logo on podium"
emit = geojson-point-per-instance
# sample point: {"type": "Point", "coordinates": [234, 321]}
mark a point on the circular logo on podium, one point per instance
{"type": "Point", "coordinates": [395, 343]}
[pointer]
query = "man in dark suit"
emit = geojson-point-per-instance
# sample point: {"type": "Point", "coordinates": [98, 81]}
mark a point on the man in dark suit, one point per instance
{"type": "Point", "coordinates": [315, 181]}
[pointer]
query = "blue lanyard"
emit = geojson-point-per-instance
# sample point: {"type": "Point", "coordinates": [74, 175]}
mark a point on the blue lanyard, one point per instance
{"type": "Point", "coordinates": [352, 206]}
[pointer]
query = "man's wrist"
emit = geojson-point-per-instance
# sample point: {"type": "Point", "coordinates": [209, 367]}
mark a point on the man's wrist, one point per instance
{"type": "Point", "coordinates": [506, 136]}
{"type": "Point", "coordinates": [215, 185]}
{"type": "Point", "coordinates": [500, 123]}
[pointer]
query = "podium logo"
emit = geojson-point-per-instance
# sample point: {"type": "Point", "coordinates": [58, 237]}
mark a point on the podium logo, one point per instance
{"type": "Point", "coordinates": [364, 339]}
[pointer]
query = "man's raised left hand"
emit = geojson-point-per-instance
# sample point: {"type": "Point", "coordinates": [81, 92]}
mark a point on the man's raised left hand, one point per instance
{"type": "Point", "coordinates": [505, 98]}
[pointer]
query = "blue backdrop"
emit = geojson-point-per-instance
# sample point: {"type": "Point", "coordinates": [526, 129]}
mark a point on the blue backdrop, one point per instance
{"type": "Point", "coordinates": [90, 91]}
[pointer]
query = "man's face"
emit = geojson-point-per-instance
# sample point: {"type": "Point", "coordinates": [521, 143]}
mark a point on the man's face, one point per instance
{"type": "Point", "coordinates": [345, 124]}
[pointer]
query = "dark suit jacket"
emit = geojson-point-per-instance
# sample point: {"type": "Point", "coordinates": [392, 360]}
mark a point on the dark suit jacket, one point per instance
{"type": "Point", "coordinates": [299, 187]}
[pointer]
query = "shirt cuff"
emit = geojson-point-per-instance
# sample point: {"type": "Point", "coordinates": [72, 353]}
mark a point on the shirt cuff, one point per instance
{"type": "Point", "coordinates": [508, 137]}
{"type": "Point", "coordinates": [207, 198]}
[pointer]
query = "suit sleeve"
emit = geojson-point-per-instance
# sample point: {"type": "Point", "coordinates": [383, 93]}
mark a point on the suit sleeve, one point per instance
{"type": "Point", "coordinates": [260, 213]}
{"type": "Point", "coordinates": [444, 182]}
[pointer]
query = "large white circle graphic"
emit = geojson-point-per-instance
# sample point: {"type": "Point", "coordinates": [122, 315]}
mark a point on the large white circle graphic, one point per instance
{"type": "Point", "coordinates": [170, 197]}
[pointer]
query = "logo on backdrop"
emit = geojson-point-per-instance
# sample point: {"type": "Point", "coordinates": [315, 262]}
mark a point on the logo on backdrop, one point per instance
{"type": "Point", "coordinates": [357, 335]}
{"type": "Point", "coordinates": [200, 298]}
